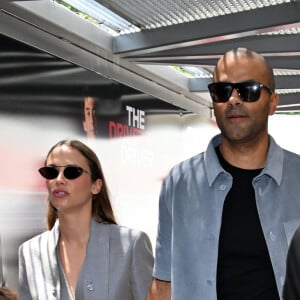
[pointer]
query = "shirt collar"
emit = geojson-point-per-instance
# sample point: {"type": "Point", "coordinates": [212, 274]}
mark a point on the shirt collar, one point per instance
{"type": "Point", "coordinates": [273, 168]}
{"type": "Point", "coordinates": [274, 164]}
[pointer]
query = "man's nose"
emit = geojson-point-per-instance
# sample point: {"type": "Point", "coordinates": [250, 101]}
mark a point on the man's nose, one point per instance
{"type": "Point", "coordinates": [235, 98]}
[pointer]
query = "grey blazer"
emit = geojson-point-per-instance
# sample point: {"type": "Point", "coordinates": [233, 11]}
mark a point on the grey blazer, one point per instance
{"type": "Point", "coordinates": [118, 265]}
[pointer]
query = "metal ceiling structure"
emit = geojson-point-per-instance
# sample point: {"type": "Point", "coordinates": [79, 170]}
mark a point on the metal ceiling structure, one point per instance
{"type": "Point", "coordinates": [152, 36]}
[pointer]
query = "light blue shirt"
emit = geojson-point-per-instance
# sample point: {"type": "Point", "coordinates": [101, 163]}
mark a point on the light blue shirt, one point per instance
{"type": "Point", "coordinates": [190, 212]}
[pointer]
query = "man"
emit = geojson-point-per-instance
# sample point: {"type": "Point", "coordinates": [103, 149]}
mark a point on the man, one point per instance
{"type": "Point", "coordinates": [89, 121]}
{"type": "Point", "coordinates": [226, 215]}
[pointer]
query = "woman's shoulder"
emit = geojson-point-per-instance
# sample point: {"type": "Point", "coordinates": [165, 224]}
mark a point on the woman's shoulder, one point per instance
{"type": "Point", "coordinates": [127, 231]}
{"type": "Point", "coordinates": [130, 239]}
{"type": "Point", "coordinates": [36, 240]}
{"type": "Point", "coordinates": [124, 233]}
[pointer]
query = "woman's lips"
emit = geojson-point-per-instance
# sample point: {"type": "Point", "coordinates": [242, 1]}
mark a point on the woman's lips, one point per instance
{"type": "Point", "coordinates": [60, 193]}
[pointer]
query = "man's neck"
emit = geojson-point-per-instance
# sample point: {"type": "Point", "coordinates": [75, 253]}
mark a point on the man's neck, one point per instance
{"type": "Point", "coordinates": [247, 155]}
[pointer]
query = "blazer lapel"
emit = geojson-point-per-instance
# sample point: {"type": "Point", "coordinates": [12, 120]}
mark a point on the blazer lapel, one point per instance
{"type": "Point", "coordinates": [97, 263]}
{"type": "Point", "coordinates": [52, 274]}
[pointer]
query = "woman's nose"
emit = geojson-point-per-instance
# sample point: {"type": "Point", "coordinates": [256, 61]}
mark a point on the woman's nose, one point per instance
{"type": "Point", "coordinates": [60, 176]}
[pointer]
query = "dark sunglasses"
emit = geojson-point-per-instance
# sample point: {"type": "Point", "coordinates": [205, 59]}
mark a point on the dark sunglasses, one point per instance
{"type": "Point", "coordinates": [249, 91]}
{"type": "Point", "coordinates": [70, 172]}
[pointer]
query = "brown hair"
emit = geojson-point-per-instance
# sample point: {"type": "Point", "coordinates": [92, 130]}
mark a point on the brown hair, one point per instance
{"type": "Point", "coordinates": [7, 294]}
{"type": "Point", "coordinates": [102, 210]}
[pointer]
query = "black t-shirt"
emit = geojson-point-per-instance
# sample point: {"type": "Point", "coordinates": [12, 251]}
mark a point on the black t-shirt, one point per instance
{"type": "Point", "coordinates": [244, 267]}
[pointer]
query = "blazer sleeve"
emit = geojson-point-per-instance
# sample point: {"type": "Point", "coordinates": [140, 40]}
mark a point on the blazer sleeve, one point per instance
{"type": "Point", "coordinates": [24, 291]}
{"type": "Point", "coordinates": [163, 253]}
{"type": "Point", "coordinates": [142, 266]}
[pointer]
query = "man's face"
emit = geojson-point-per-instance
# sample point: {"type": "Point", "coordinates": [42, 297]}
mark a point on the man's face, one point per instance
{"type": "Point", "coordinates": [89, 122]}
{"type": "Point", "coordinates": [238, 120]}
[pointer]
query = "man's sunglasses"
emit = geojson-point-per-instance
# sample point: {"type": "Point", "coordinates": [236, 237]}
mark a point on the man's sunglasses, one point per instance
{"type": "Point", "coordinates": [70, 172]}
{"type": "Point", "coordinates": [249, 91]}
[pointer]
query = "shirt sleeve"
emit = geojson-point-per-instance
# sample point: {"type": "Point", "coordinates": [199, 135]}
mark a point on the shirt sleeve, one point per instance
{"type": "Point", "coordinates": [163, 254]}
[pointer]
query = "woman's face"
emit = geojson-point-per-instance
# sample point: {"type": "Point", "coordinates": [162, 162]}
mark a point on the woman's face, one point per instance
{"type": "Point", "coordinates": [71, 195]}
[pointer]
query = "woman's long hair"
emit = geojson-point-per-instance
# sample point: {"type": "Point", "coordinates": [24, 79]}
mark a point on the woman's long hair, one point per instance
{"type": "Point", "coordinates": [102, 210]}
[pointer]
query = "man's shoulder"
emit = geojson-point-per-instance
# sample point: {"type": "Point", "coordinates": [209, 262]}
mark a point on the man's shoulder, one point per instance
{"type": "Point", "coordinates": [185, 170]}
{"type": "Point", "coordinates": [190, 164]}
{"type": "Point", "coordinates": [199, 160]}
{"type": "Point", "coordinates": [291, 160]}
{"type": "Point", "coordinates": [278, 150]}
{"type": "Point", "coordinates": [292, 155]}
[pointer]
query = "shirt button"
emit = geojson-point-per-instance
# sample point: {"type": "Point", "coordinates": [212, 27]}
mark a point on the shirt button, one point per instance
{"type": "Point", "coordinates": [209, 282]}
{"type": "Point", "coordinates": [54, 293]}
{"type": "Point", "coordinates": [210, 236]}
{"type": "Point", "coordinates": [222, 187]}
{"type": "Point", "coordinates": [272, 236]}
{"type": "Point", "coordinates": [90, 287]}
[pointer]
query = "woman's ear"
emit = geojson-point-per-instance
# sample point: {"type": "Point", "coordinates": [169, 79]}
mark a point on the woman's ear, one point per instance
{"type": "Point", "coordinates": [97, 186]}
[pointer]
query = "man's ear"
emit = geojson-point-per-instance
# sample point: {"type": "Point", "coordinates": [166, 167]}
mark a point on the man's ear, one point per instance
{"type": "Point", "coordinates": [273, 103]}
{"type": "Point", "coordinates": [84, 125]}
{"type": "Point", "coordinates": [97, 186]}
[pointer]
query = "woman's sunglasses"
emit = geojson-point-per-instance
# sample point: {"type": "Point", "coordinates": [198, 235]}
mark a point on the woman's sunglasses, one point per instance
{"type": "Point", "coordinates": [70, 172]}
{"type": "Point", "coordinates": [249, 91]}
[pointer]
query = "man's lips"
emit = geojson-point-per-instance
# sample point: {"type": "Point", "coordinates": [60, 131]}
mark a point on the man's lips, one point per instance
{"type": "Point", "coordinates": [236, 117]}
{"type": "Point", "coordinates": [235, 114]}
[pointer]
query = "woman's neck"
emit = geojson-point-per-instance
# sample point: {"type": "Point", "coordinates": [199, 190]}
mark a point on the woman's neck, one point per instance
{"type": "Point", "coordinates": [73, 228]}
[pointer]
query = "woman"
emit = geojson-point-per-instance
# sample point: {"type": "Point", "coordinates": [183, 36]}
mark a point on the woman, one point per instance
{"type": "Point", "coordinates": [84, 254]}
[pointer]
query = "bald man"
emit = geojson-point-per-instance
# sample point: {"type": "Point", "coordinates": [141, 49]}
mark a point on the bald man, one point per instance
{"type": "Point", "coordinates": [226, 216]}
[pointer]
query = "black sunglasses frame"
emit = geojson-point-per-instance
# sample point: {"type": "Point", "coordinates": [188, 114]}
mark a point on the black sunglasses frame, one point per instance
{"type": "Point", "coordinates": [70, 172]}
{"type": "Point", "coordinates": [249, 91]}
